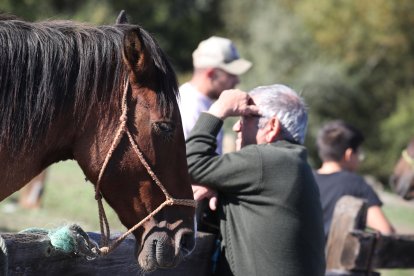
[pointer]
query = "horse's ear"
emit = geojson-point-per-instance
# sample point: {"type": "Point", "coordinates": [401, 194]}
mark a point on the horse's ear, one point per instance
{"type": "Point", "coordinates": [122, 18]}
{"type": "Point", "coordinates": [134, 53]}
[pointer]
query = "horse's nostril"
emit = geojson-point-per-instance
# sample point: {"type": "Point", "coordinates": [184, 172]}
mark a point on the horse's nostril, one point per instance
{"type": "Point", "coordinates": [187, 243]}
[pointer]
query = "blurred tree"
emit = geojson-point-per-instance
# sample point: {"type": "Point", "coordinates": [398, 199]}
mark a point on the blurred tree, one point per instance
{"type": "Point", "coordinates": [33, 10]}
{"type": "Point", "coordinates": [373, 40]}
{"type": "Point", "coordinates": [284, 51]}
{"type": "Point", "coordinates": [350, 59]}
{"type": "Point", "coordinates": [178, 25]}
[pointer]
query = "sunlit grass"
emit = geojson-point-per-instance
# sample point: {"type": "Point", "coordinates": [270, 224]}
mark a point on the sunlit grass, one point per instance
{"type": "Point", "coordinates": [68, 198]}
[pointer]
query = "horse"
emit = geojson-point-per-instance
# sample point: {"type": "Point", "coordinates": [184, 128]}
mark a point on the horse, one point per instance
{"type": "Point", "coordinates": [105, 96]}
{"type": "Point", "coordinates": [402, 178]}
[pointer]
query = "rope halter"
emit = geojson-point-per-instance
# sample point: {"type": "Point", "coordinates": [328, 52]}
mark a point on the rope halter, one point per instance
{"type": "Point", "coordinates": [106, 248]}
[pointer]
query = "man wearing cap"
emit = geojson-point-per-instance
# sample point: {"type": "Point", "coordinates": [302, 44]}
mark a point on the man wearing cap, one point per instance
{"type": "Point", "coordinates": [217, 67]}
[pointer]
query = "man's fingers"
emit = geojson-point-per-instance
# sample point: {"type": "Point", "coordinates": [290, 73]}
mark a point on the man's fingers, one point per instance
{"type": "Point", "coordinates": [201, 192]}
{"type": "Point", "coordinates": [251, 110]}
{"type": "Point", "coordinates": [213, 203]}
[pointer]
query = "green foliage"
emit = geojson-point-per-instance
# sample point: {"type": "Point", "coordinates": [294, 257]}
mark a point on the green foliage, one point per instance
{"type": "Point", "coordinates": [350, 59]}
{"type": "Point", "coordinates": [271, 37]}
{"type": "Point", "coordinates": [375, 47]}
{"type": "Point", "coordinates": [178, 25]}
{"type": "Point", "coordinates": [397, 129]}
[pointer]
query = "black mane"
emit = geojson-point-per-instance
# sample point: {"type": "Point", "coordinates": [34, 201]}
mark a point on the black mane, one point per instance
{"type": "Point", "coordinates": [51, 67]}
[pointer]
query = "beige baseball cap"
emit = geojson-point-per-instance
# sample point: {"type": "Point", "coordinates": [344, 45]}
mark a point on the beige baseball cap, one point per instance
{"type": "Point", "coordinates": [221, 53]}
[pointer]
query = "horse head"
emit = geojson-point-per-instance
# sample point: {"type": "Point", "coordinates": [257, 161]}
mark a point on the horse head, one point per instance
{"type": "Point", "coordinates": [402, 178]}
{"type": "Point", "coordinates": [149, 142]}
{"type": "Point", "coordinates": [106, 97]}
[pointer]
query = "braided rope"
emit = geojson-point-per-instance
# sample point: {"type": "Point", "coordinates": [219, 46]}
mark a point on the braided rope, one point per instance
{"type": "Point", "coordinates": [103, 221]}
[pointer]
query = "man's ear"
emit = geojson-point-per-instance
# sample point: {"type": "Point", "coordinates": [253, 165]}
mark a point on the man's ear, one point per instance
{"type": "Point", "coordinates": [211, 73]}
{"type": "Point", "coordinates": [348, 154]}
{"type": "Point", "coordinates": [273, 129]}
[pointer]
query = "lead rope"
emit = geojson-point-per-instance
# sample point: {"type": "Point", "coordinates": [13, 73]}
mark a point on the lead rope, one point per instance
{"type": "Point", "coordinates": [106, 248]}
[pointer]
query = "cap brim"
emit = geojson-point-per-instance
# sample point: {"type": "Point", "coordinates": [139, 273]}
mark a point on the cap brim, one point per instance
{"type": "Point", "coordinates": [236, 67]}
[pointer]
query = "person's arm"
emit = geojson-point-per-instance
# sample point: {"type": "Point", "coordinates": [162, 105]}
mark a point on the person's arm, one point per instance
{"type": "Point", "coordinates": [377, 220]}
{"type": "Point", "coordinates": [233, 102]}
{"type": "Point", "coordinates": [228, 172]}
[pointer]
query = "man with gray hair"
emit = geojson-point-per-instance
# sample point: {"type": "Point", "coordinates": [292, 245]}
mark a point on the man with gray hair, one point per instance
{"type": "Point", "coordinates": [268, 201]}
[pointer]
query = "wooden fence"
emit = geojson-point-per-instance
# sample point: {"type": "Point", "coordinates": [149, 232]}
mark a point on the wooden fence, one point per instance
{"type": "Point", "coordinates": [351, 250]}
{"type": "Point", "coordinates": [32, 254]}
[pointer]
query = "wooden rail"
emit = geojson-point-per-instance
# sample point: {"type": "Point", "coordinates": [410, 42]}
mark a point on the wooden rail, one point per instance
{"type": "Point", "coordinates": [33, 254]}
{"type": "Point", "coordinates": [352, 250]}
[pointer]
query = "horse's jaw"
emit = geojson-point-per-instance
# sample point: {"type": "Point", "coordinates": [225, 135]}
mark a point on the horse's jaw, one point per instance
{"type": "Point", "coordinates": [164, 248]}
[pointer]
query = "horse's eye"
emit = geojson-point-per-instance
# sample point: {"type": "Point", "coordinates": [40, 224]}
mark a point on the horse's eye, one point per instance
{"type": "Point", "coordinates": [164, 128]}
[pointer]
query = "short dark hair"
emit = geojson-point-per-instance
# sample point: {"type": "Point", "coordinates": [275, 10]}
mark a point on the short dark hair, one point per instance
{"type": "Point", "coordinates": [335, 137]}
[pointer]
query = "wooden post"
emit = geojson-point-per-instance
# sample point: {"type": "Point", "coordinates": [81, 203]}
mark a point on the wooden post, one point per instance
{"type": "Point", "coordinates": [349, 214]}
{"type": "Point", "coordinates": [353, 251]}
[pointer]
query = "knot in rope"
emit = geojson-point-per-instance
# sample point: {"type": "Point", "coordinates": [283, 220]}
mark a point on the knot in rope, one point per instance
{"type": "Point", "coordinates": [103, 251]}
{"type": "Point", "coordinates": [169, 201]}
{"type": "Point", "coordinates": [123, 118]}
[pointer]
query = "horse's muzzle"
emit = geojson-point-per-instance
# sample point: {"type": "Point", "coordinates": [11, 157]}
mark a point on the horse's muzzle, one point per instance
{"type": "Point", "coordinates": [162, 250]}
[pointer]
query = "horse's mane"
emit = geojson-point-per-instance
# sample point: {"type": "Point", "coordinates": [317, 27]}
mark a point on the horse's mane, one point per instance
{"type": "Point", "coordinates": [51, 67]}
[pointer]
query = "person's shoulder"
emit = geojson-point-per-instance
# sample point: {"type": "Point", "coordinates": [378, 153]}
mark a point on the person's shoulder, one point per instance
{"type": "Point", "coordinates": [187, 91]}
{"type": "Point", "coordinates": [350, 175]}
{"type": "Point", "coordinates": [282, 151]}
{"type": "Point", "coordinates": [185, 87]}
{"type": "Point", "coordinates": [287, 148]}
{"type": "Point", "coordinates": [190, 95]}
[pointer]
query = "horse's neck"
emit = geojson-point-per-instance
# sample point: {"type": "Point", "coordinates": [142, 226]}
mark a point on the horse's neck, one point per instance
{"type": "Point", "coordinates": [15, 172]}
{"type": "Point", "coordinates": [20, 167]}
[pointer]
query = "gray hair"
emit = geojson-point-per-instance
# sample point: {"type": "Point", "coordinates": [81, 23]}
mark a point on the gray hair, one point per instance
{"type": "Point", "coordinates": [284, 103]}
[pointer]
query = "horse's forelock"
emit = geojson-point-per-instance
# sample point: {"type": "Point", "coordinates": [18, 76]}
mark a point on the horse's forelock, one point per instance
{"type": "Point", "coordinates": [167, 79]}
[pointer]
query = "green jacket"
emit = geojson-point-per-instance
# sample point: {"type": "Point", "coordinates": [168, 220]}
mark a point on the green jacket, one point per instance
{"type": "Point", "coordinates": [270, 213]}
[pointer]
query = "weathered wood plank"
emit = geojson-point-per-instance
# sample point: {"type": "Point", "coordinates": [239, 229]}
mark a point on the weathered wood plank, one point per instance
{"type": "Point", "coordinates": [32, 254]}
{"type": "Point", "coordinates": [349, 214]}
{"type": "Point", "coordinates": [366, 250]}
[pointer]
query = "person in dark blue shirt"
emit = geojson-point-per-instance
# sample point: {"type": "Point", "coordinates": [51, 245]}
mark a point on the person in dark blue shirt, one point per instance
{"type": "Point", "coordinates": [339, 147]}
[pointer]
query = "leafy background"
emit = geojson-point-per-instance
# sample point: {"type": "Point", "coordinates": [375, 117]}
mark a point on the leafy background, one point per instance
{"type": "Point", "coordinates": [350, 59]}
